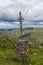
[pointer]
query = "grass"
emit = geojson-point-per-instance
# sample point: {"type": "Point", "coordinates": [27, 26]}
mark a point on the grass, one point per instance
{"type": "Point", "coordinates": [8, 55]}
{"type": "Point", "coordinates": [8, 50]}
{"type": "Point", "coordinates": [36, 55]}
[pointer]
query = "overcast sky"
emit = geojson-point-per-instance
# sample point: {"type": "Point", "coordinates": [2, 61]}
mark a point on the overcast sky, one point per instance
{"type": "Point", "coordinates": [32, 11]}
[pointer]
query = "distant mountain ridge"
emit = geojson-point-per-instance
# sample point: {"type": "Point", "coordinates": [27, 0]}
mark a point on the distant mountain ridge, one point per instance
{"type": "Point", "coordinates": [16, 28]}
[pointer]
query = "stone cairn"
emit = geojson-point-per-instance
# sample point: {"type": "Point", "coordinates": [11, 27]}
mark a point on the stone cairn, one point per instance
{"type": "Point", "coordinates": [22, 50]}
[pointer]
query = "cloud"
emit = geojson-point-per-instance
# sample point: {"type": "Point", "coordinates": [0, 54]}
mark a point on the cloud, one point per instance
{"type": "Point", "coordinates": [32, 10]}
{"type": "Point", "coordinates": [7, 25]}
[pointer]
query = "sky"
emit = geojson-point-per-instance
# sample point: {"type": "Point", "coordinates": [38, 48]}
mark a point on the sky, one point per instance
{"type": "Point", "coordinates": [32, 12]}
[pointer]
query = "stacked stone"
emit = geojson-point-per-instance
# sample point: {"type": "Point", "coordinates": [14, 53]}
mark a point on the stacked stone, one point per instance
{"type": "Point", "coordinates": [22, 49]}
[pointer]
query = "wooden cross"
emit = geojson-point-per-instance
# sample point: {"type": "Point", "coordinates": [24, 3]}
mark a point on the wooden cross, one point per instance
{"type": "Point", "coordinates": [21, 45]}
{"type": "Point", "coordinates": [20, 20]}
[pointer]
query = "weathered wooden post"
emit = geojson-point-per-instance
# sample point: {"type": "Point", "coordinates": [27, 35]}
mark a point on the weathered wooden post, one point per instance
{"type": "Point", "coordinates": [20, 20]}
{"type": "Point", "coordinates": [21, 45]}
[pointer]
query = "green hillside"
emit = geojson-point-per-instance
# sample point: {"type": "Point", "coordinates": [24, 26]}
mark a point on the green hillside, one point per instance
{"type": "Point", "coordinates": [35, 35]}
{"type": "Point", "coordinates": [8, 41]}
